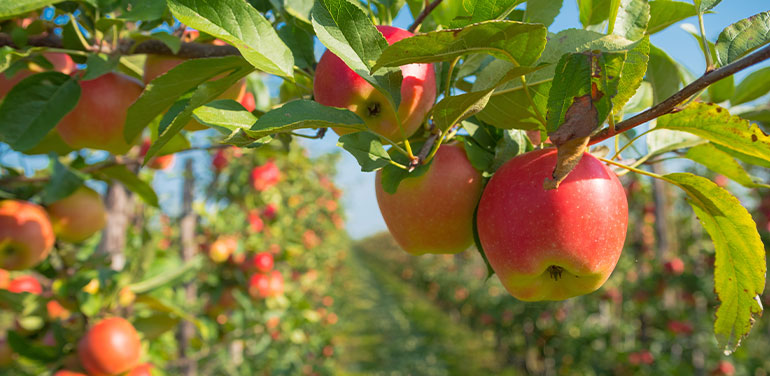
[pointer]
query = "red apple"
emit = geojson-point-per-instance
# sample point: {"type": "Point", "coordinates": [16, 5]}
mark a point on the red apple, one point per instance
{"type": "Point", "coordinates": [255, 222]}
{"type": "Point", "coordinates": [220, 160]}
{"type": "Point", "coordinates": [433, 212]}
{"type": "Point", "coordinates": [5, 279]}
{"type": "Point", "coordinates": [276, 283]}
{"type": "Point", "coordinates": [97, 121]}
{"type": "Point", "coordinates": [270, 211]}
{"type": "Point", "coordinates": [156, 65]}
{"type": "Point", "coordinates": [263, 262]}
{"type": "Point", "coordinates": [310, 239]}
{"type": "Point", "coordinates": [141, 370]}
{"type": "Point", "coordinates": [26, 234]}
{"type": "Point", "coordinates": [110, 347]}
{"type": "Point", "coordinates": [64, 372]}
{"type": "Point", "coordinates": [78, 216]}
{"type": "Point", "coordinates": [552, 244]}
{"type": "Point", "coordinates": [675, 266]}
{"type": "Point", "coordinates": [56, 311]}
{"type": "Point", "coordinates": [641, 357]}
{"type": "Point", "coordinates": [265, 176]}
{"type": "Point", "coordinates": [724, 368]}
{"type": "Point", "coordinates": [680, 327]}
{"type": "Point", "coordinates": [259, 285]}
{"type": "Point", "coordinates": [161, 162]}
{"type": "Point", "coordinates": [61, 62]}
{"type": "Point", "coordinates": [337, 85]}
{"type": "Point", "coordinates": [248, 102]}
{"type": "Point", "coordinates": [25, 283]}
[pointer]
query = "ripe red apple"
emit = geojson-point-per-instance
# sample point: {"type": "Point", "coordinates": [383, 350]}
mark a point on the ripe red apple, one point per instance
{"type": "Point", "coordinates": [78, 216]}
{"type": "Point", "coordinates": [310, 239]}
{"type": "Point", "coordinates": [220, 160]}
{"type": "Point", "coordinates": [724, 368]}
{"type": "Point", "coordinates": [222, 248]}
{"type": "Point", "coordinates": [433, 213]}
{"type": "Point", "coordinates": [25, 283]}
{"type": "Point", "coordinates": [97, 121]}
{"type": "Point", "coordinates": [248, 102]}
{"type": "Point", "coordinates": [26, 234]}
{"type": "Point", "coordinates": [675, 266]}
{"type": "Point", "coordinates": [337, 85]}
{"type": "Point", "coordinates": [276, 283]}
{"type": "Point", "coordinates": [61, 62]}
{"type": "Point", "coordinates": [56, 311]}
{"type": "Point", "coordinates": [156, 65]}
{"type": "Point", "coordinates": [64, 372]}
{"type": "Point", "coordinates": [263, 262]}
{"type": "Point", "coordinates": [552, 244]}
{"type": "Point", "coordinates": [110, 347]}
{"type": "Point", "coordinates": [680, 327]}
{"type": "Point", "coordinates": [641, 357]}
{"type": "Point", "coordinates": [255, 222]}
{"type": "Point", "coordinates": [161, 162]}
{"type": "Point", "coordinates": [259, 285]}
{"type": "Point", "coordinates": [141, 370]}
{"type": "Point", "coordinates": [265, 176]}
{"type": "Point", "coordinates": [270, 211]}
{"type": "Point", "coordinates": [5, 279]}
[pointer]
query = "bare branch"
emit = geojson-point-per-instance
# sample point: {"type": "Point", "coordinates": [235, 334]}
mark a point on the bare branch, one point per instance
{"type": "Point", "coordinates": [425, 12]}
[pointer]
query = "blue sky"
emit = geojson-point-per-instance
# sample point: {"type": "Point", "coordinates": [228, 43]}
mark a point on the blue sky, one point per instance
{"type": "Point", "coordinates": [363, 215]}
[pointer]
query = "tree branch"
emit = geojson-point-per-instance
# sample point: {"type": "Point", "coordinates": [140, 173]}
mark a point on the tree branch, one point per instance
{"type": "Point", "coordinates": [130, 47]}
{"type": "Point", "coordinates": [425, 12]}
{"type": "Point", "coordinates": [670, 103]}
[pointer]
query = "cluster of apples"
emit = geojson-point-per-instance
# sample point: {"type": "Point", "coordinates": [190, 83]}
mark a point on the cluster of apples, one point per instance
{"type": "Point", "coordinates": [543, 244]}
{"type": "Point", "coordinates": [28, 231]}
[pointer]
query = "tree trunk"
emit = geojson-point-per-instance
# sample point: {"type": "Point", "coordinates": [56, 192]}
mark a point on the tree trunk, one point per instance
{"type": "Point", "coordinates": [189, 249]}
{"type": "Point", "coordinates": [119, 204]}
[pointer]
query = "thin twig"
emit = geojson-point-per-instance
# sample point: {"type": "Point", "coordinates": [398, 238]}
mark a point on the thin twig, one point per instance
{"type": "Point", "coordinates": [670, 104]}
{"type": "Point", "coordinates": [425, 12]}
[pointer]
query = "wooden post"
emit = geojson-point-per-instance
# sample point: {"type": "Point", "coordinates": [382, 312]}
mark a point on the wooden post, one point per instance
{"type": "Point", "coordinates": [187, 225]}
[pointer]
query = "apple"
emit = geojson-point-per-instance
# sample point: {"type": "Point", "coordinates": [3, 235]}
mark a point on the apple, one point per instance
{"type": "Point", "coordinates": [337, 85]}
{"type": "Point", "coordinates": [25, 283]}
{"type": "Point", "coordinates": [78, 216]}
{"type": "Point", "coordinates": [680, 327]}
{"type": "Point", "coordinates": [156, 65]}
{"type": "Point", "coordinates": [97, 121]}
{"type": "Point", "coordinates": [248, 102]}
{"type": "Point", "coordinates": [110, 347]}
{"type": "Point", "coordinates": [270, 211]}
{"type": "Point", "coordinates": [222, 248]}
{"type": "Point", "coordinates": [144, 369]}
{"type": "Point", "coordinates": [64, 372]}
{"type": "Point", "coordinates": [26, 234]}
{"type": "Point", "coordinates": [5, 279]}
{"type": "Point", "coordinates": [161, 162]}
{"type": "Point", "coordinates": [61, 62]}
{"type": "Point", "coordinates": [641, 357]}
{"type": "Point", "coordinates": [255, 222]}
{"type": "Point", "coordinates": [259, 285]}
{"type": "Point", "coordinates": [265, 176]}
{"type": "Point", "coordinates": [552, 244]}
{"type": "Point", "coordinates": [219, 162]}
{"type": "Point", "coordinates": [263, 262]}
{"type": "Point", "coordinates": [276, 283]}
{"type": "Point", "coordinates": [56, 311]}
{"type": "Point", "coordinates": [724, 368]}
{"type": "Point", "coordinates": [433, 212]}
{"type": "Point", "coordinates": [310, 239]}
{"type": "Point", "coordinates": [675, 266]}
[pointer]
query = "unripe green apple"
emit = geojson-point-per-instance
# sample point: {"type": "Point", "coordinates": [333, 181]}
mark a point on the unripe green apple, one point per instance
{"type": "Point", "coordinates": [98, 119]}
{"type": "Point", "coordinates": [78, 216]}
{"type": "Point", "coordinates": [433, 212]}
{"type": "Point", "coordinates": [156, 65]}
{"type": "Point", "coordinates": [337, 85]}
{"type": "Point", "coordinates": [26, 234]}
{"type": "Point", "coordinates": [552, 244]}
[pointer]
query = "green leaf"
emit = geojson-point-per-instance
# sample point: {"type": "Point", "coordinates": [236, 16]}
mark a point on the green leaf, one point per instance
{"type": "Point", "coordinates": [31, 350]}
{"type": "Point", "coordinates": [662, 141]}
{"type": "Point", "coordinates": [34, 106]}
{"type": "Point", "coordinates": [154, 325]}
{"type": "Point", "coordinates": [632, 19]}
{"type": "Point", "coordinates": [168, 277]}
{"type": "Point", "coordinates": [543, 11]}
{"type": "Point", "coordinates": [143, 10]}
{"type": "Point", "coordinates": [367, 149]}
{"type": "Point", "coordinates": [490, 10]}
{"type": "Point", "coordinates": [715, 124]}
{"type": "Point", "coordinates": [593, 12]}
{"type": "Point", "coordinates": [169, 307]}
{"type": "Point", "coordinates": [301, 43]}
{"type": "Point", "coordinates": [164, 90]}
{"type": "Point", "coordinates": [739, 269]}
{"type": "Point", "coordinates": [12, 8]}
{"type": "Point", "coordinates": [131, 181]}
{"type": "Point", "coordinates": [392, 175]}
{"type": "Point", "coordinates": [99, 64]}
{"type": "Point", "coordinates": [239, 24]}
{"type": "Point", "coordinates": [742, 37]}
{"type": "Point", "coordinates": [744, 157]}
{"type": "Point", "coordinates": [664, 13]}
{"type": "Point", "coordinates": [705, 5]}
{"type": "Point", "coordinates": [64, 181]}
{"type": "Point", "coordinates": [452, 110]}
{"type": "Point", "coordinates": [301, 114]}
{"type": "Point", "coordinates": [349, 33]}
{"type": "Point", "coordinates": [513, 143]}
{"type": "Point", "coordinates": [752, 87]}
{"type": "Point", "coordinates": [516, 42]}
{"type": "Point", "coordinates": [225, 113]}
{"type": "Point", "coordinates": [663, 74]}
{"type": "Point", "coordinates": [723, 163]}
{"type": "Point", "coordinates": [480, 157]}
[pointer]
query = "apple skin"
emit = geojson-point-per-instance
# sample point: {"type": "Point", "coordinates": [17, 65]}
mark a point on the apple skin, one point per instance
{"type": "Point", "coordinates": [433, 213]}
{"type": "Point", "coordinates": [222, 248]}
{"type": "Point", "coordinates": [25, 283]}
{"type": "Point", "coordinates": [219, 162]}
{"type": "Point", "coordinates": [61, 62]}
{"type": "Point", "coordinates": [68, 373]}
{"type": "Point", "coordinates": [97, 121]}
{"type": "Point", "coordinates": [337, 85]}
{"type": "Point", "coordinates": [26, 234]}
{"type": "Point", "coordinates": [5, 279]}
{"type": "Point", "coordinates": [144, 369]}
{"type": "Point", "coordinates": [578, 228]}
{"type": "Point", "coordinates": [161, 162]}
{"type": "Point", "coordinates": [156, 65]}
{"type": "Point", "coordinates": [110, 347]}
{"type": "Point", "coordinates": [265, 176]}
{"type": "Point", "coordinates": [78, 216]}
{"type": "Point", "coordinates": [263, 262]}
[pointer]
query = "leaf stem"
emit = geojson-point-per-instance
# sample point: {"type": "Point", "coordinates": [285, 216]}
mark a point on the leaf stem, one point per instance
{"type": "Point", "coordinates": [539, 116]}
{"type": "Point", "coordinates": [704, 41]}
